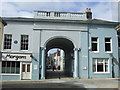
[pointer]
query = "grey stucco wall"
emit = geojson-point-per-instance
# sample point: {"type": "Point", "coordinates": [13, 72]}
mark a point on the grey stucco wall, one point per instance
{"type": "Point", "coordinates": [102, 31]}
{"type": "Point", "coordinates": [41, 33]}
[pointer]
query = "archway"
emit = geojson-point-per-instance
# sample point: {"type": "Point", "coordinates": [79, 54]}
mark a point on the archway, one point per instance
{"type": "Point", "coordinates": [68, 48]}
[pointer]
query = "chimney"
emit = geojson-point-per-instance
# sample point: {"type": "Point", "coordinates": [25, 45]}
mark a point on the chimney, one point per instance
{"type": "Point", "coordinates": [88, 13]}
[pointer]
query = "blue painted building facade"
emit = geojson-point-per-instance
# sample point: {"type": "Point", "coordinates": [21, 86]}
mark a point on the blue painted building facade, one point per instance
{"type": "Point", "coordinates": [90, 46]}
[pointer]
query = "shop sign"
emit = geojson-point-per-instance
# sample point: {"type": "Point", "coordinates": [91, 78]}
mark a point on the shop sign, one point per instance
{"type": "Point", "coordinates": [16, 57]}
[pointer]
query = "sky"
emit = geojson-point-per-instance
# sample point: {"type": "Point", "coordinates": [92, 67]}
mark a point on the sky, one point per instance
{"type": "Point", "coordinates": [101, 9]}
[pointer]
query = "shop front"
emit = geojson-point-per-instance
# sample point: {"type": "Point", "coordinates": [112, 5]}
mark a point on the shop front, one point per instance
{"type": "Point", "coordinates": [15, 66]}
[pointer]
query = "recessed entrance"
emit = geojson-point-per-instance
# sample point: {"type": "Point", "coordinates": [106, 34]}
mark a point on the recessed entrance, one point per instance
{"type": "Point", "coordinates": [55, 67]}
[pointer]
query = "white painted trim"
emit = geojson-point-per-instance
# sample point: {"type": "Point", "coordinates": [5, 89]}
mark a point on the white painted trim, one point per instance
{"type": "Point", "coordinates": [31, 70]}
{"type": "Point", "coordinates": [108, 52]}
{"type": "Point", "coordinates": [101, 72]}
{"type": "Point", "coordinates": [97, 45]}
{"type": "Point", "coordinates": [96, 59]}
{"type": "Point", "coordinates": [24, 50]}
{"type": "Point", "coordinates": [10, 74]}
{"type": "Point", "coordinates": [16, 52]}
{"type": "Point", "coordinates": [110, 45]}
{"type": "Point", "coordinates": [26, 69]}
{"type": "Point", "coordinates": [95, 51]}
{"type": "Point", "coordinates": [20, 70]}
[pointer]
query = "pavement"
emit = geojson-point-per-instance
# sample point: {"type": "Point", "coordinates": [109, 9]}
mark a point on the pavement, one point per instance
{"type": "Point", "coordinates": [84, 84]}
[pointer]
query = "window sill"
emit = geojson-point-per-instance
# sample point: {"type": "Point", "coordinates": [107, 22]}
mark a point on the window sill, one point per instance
{"type": "Point", "coordinates": [8, 74]}
{"type": "Point", "coordinates": [95, 51]}
{"type": "Point", "coordinates": [109, 52]}
{"type": "Point", "coordinates": [101, 72]}
{"type": "Point", "coordinates": [24, 50]}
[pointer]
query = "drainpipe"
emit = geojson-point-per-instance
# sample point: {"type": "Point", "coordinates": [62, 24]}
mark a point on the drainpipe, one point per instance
{"type": "Point", "coordinates": [88, 52]}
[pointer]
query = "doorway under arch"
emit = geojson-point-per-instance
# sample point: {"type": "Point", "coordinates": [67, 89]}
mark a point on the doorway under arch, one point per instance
{"type": "Point", "coordinates": [68, 47]}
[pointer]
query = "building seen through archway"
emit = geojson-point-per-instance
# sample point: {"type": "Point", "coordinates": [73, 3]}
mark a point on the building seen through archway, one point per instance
{"type": "Point", "coordinates": [59, 63]}
{"type": "Point", "coordinates": [55, 62]}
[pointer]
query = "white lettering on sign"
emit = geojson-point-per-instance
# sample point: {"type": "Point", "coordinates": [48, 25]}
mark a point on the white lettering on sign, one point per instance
{"type": "Point", "coordinates": [16, 57]}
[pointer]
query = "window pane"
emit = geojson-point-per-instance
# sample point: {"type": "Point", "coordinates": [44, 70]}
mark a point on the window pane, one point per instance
{"type": "Point", "coordinates": [94, 43]}
{"type": "Point", "coordinates": [94, 65]}
{"type": "Point", "coordinates": [94, 39]}
{"type": "Point", "coordinates": [107, 39]}
{"type": "Point", "coordinates": [17, 67]}
{"type": "Point", "coordinates": [101, 64]}
{"type": "Point", "coordinates": [3, 66]}
{"type": "Point", "coordinates": [107, 44]}
{"type": "Point", "coordinates": [106, 68]}
{"type": "Point", "coordinates": [24, 42]}
{"type": "Point", "coordinates": [106, 65]}
{"type": "Point", "coordinates": [94, 46]}
{"type": "Point", "coordinates": [28, 67]}
{"type": "Point", "coordinates": [7, 41]}
{"type": "Point", "coordinates": [107, 47]}
{"type": "Point", "coordinates": [13, 67]}
{"type": "Point", "coordinates": [100, 67]}
{"type": "Point", "coordinates": [8, 67]}
{"type": "Point", "coordinates": [23, 68]}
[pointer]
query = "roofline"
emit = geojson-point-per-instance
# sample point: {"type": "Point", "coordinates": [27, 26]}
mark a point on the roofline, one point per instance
{"type": "Point", "coordinates": [89, 21]}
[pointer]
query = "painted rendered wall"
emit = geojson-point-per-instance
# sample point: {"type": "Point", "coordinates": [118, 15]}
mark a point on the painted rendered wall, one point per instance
{"type": "Point", "coordinates": [68, 30]}
{"type": "Point", "coordinates": [17, 28]}
{"type": "Point", "coordinates": [40, 33]}
{"type": "Point", "coordinates": [102, 31]}
{"type": "Point", "coordinates": [83, 55]}
{"type": "Point", "coordinates": [36, 55]}
{"type": "Point", "coordinates": [1, 34]}
{"type": "Point", "coordinates": [10, 77]}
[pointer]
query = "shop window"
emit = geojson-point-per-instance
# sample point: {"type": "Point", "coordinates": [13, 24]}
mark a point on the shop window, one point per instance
{"type": "Point", "coordinates": [24, 42]}
{"type": "Point", "coordinates": [100, 65]}
{"type": "Point", "coordinates": [94, 43]}
{"type": "Point", "coordinates": [10, 67]}
{"type": "Point", "coordinates": [107, 44]}
{"type": "Point", "coordinates": [7, 41]}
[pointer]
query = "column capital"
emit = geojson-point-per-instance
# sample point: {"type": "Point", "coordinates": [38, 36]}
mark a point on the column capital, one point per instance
{"type": "Point", "coordinates": [43, 48]}
{"type": "Point", "coordinates": [77, 49]}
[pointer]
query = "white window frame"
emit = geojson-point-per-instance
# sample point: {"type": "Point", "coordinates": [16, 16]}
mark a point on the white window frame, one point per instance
{"type": "Point", "coordinates": [96, 59]}
{"type": "Point", "coordinates": [4, 42]}
{"type": "Point", "coordinates": [20, 42]}
{"type": "Point", "coordinates": [110, 44]}
{"type": "Point", "coordinates": [97, 45]}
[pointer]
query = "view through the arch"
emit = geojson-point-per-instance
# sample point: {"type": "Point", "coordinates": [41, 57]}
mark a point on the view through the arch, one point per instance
{"type": "Point", "coordinates": [55, 63]}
